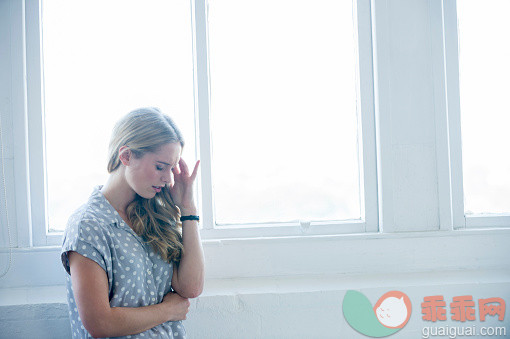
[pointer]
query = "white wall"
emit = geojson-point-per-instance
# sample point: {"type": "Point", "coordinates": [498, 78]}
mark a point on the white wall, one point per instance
{"type": "Point", "coordinates": [299, 307]}
{"type": "Point", "coordinates": [293, 287]}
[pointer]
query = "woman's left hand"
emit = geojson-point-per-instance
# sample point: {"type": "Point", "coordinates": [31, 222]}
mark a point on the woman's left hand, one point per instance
{"type": "Point", "coordinates": [182, 190]}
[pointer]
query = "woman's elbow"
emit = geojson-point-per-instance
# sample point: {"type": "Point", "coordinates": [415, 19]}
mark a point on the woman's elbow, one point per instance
{"type": "Point", "coordinates": [94, 330]}
{"type": "Point", "coordinates": [98, 327]}
{"type": "Point", "coordinates": [191, 291]}
{"type": "Point", "coordinates": [195, 293]}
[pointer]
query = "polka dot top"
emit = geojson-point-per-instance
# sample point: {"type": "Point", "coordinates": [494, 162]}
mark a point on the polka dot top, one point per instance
{"type": "Point", "coordinates": [137, 276]}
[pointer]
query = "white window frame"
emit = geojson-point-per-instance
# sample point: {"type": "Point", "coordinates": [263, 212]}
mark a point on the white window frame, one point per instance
{"type": "Point", "coordinates": [450, 138]}
{"type": "Point", "coordinates": [366, 129]}
{"type": "Point", "coordinates": [367, 151]}
{"type": "Point", "coordinates": [35, 128]}
{"type": "Point", "coordinates": [27, 126]}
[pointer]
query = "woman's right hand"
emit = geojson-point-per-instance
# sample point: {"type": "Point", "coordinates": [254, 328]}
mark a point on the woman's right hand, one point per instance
{"type": "Point", "coordinates": [176, 305]}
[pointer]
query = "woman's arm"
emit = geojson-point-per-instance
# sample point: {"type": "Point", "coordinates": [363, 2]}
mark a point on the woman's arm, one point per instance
{"type": "Point", "coordinates": [90, 286]}
{"type": "Point", "coordinates": [188, 276]}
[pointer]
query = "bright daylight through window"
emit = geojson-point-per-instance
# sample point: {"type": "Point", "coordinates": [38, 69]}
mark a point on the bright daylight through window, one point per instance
{"type": "Point", "coordinates": [485, 111]}
{"type": "Point", "coordinates": [132, 54]}
{"type": "Point", "coordinates": [284, 120]}
{"type": "Point", "coordinates": [283, 111]}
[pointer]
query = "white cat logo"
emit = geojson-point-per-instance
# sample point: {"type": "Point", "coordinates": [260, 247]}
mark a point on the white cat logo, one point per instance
{"type": "Point", "coordinates": [393, 309]}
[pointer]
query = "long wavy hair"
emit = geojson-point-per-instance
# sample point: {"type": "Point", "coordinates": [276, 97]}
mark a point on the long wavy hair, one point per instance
{"type": "Point", "coordinates": [156, 220]}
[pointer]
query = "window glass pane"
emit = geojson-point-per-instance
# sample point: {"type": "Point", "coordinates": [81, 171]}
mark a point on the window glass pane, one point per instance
{"type": "Point", "coordinates": [484, 54]}
{"type": "Point", "coordinates": [103, 59]}
{"type": "Point", "coordinates": [283, 110]}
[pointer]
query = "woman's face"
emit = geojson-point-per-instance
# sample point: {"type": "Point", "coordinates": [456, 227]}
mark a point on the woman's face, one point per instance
{"type": "Point", "coordinates": [146, 175]}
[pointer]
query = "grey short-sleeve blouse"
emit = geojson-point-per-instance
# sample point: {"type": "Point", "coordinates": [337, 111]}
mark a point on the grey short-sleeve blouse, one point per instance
{"type": "Point", "coordinates": [137, 276]}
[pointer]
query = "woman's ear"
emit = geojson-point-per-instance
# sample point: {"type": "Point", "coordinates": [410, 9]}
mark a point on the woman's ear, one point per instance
{"type": "Point", "coordinates": [124, 155]}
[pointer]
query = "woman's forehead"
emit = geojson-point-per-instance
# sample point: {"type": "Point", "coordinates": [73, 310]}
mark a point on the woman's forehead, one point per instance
{"type": "Point", "coordinates": [168, 154]}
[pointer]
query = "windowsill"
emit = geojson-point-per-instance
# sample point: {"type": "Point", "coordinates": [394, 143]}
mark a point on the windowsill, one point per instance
{"type": "Point", "coordinates": [304, 284]}
{"type": "Point", "coordinates": [33, 295]}
{"type": "Point", "coordinates": [360, 236]}
{"type": "Point", "coordinates": [306, 256]}
{"type": "Point", "coordinates": [282, 285]}
{"type": "Point", "coordinates": [494, 231]}
{"type": "Point", "coordinates": [351, 230]}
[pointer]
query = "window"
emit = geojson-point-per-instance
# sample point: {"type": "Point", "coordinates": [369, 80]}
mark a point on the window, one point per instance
{"type": "Point", "coordinates": [483, 78]}
{"type": "Point", "coordinates": [135, 54]}
{"type": "Point", "coordinates": [105, 76]}
{"type": "Point", "coordinates": [283, 111]}
{"type": "Point", "coordinates": [477, 65]}
{"type": "Point", "coordinates": [291, 145]}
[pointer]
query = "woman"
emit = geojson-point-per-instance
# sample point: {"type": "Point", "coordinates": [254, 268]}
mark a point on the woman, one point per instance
{"type": "Point", "coordinates": [133, 251]}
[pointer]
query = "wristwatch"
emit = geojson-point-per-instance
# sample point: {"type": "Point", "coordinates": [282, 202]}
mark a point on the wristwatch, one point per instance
{"type": "Point", "coordinates": [190, 217]}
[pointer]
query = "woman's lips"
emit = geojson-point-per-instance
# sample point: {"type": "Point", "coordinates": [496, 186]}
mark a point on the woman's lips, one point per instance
{"type": "Point", "coordinates": [157, 189]}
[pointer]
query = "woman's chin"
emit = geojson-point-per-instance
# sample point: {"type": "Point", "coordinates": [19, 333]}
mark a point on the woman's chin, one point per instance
{"type": "Point", "coordinates": [147, 195]}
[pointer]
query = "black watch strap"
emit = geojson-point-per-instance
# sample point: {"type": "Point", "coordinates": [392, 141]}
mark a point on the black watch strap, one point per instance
{"type": "Point", "coordinates": [190, 217]}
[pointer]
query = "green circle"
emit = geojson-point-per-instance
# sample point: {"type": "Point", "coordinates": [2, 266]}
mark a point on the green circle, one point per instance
{"type": "Point", "coordinates": [359, 314]}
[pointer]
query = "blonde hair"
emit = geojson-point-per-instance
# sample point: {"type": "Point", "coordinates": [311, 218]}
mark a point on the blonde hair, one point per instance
{"type": "Point", "coordinates": [156, 220]}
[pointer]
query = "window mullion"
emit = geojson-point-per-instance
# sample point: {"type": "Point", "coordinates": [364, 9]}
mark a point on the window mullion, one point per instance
{"type": "Point", "coordinates": [19, 122]}
{"type": "Point", "coordinates": [366, 120]}
{"type": "Point", "coordinates": [35, 123]}
{"type": "Point", "coordinates": [453, 111]}
{"type": "Point", "coordinates": [441, 116]}
{"type": "Point", "coordinates": [202, 108]}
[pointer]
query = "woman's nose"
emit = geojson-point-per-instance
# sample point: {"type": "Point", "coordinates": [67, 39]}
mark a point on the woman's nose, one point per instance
{"type": "Point", "coordinates": [168, 178]}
